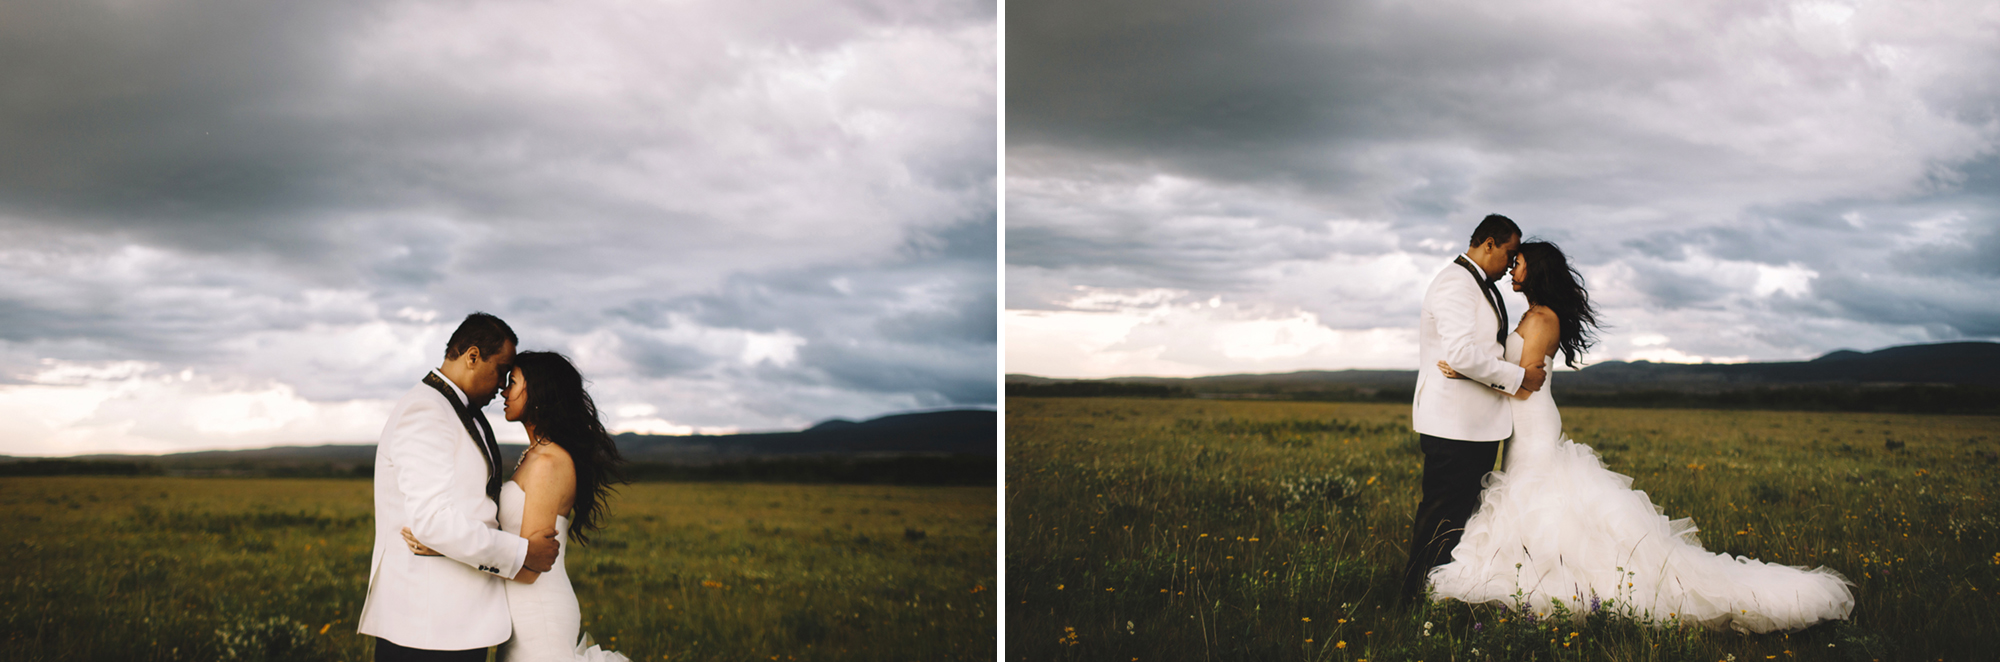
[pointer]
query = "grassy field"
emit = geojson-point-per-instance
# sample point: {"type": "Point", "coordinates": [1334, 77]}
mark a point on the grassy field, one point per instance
{"type": "Point", "coordinates": [215, 569]}
{"type": "Point", "coordinates": [1142, 530]}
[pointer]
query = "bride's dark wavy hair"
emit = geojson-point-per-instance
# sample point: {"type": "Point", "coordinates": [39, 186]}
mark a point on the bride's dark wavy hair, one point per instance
{"type": "Point", "coordinates": [1554, 283]}
{"type": "Point", "coordinates": [562, 412]}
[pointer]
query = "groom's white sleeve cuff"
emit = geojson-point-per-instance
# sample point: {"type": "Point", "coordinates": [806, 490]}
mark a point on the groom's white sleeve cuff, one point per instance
{"type": "Point", "coordinates": [1510, 379]}
{"type": "Point", "coordinates": [520, 557]}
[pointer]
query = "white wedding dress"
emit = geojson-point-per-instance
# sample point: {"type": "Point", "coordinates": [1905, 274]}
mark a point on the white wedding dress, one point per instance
{"type": "Point", "coordinates": [546, 616]}
{"type": "Point", "coordinates": [1557, 526]}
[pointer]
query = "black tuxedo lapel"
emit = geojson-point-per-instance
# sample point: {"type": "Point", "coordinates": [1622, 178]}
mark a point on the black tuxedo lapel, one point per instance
{"type": "Point", "coordinates": [1492, 298]}
{"type": "Point", "coordinates": [481, 431]}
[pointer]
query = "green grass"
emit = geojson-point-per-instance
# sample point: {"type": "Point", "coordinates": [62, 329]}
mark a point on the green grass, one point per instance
{"type": "Point", "coordinates": [1189, 529]}
{"type": "Point", "coordinates": [153, 568]}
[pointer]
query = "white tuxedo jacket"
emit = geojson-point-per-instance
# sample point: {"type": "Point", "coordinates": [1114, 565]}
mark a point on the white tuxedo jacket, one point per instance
{"type": "Point", "coordinates": [1457, 326]}
{"type": "Point", "coordinates": [431, 477]}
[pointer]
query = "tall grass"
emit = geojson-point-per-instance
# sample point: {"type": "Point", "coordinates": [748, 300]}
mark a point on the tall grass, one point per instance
{"type": "Point", "coordinates": [1188, 529]}
{"type": "Point", "coordinates": [210, 569]}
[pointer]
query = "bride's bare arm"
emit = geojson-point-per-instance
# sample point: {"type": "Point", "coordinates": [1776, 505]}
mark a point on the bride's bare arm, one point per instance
{"type": "Point", "coordinates": [549, 481]}
{"type": "Point", "coordinates": [1539, 332]}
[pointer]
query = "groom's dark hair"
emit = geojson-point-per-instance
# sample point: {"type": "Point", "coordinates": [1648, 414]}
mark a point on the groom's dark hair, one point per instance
{"type": "Point", "coordinates": [1496, 227]}
{"type": "Point", "coordinates": [480, 330]}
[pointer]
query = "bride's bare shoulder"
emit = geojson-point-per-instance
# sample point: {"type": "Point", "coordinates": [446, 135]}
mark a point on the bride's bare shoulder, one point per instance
{"type": "Point", "coordinates": [545, 464]}
{"type": "Point", "coordinates": [1538, 320]}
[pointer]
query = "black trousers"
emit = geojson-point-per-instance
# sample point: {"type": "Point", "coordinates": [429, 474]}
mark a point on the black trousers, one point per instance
{"type": "Point", "coordinates": [1452, 472]}
{"type": "Point", "coordinates": [389, 651]}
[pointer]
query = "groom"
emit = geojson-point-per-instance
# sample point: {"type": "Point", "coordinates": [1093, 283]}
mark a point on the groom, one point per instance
{"type": "Point", "coordinates": [1459, 422]}
{"type": "Point", "coordinates": [437, 471]}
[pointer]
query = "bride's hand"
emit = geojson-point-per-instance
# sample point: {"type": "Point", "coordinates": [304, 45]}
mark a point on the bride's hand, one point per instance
{"type": "Point", "coordinates": [417, 548]}
{"type": "Point", "coordinates": [1442, 367]}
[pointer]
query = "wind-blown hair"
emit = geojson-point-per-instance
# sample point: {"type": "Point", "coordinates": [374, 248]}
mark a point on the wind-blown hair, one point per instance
{"type": "Point", "coordinates": [560, 411]}
{"type": "Point", "coordinates": [1554, 283]}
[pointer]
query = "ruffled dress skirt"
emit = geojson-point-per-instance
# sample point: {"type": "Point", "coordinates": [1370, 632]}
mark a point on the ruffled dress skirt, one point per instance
{"type": "Point", "coordinates": [1557, 526]}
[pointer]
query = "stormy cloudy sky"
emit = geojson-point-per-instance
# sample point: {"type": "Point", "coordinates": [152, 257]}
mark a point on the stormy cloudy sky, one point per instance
{"type": "Point", "coordinates": [234, 223]}
{"type": "Point", "coordinates": [1265, 186]}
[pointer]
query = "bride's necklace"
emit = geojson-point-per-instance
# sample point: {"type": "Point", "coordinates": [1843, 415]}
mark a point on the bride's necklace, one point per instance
{"type": "Point", "coordinates": [532, 445]}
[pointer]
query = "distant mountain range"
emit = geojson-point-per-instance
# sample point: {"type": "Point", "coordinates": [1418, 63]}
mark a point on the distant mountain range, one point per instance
{"type": "Point", "coordinates": [1957, 376]}
{"type": "Point", "coordinates": [959, 432]}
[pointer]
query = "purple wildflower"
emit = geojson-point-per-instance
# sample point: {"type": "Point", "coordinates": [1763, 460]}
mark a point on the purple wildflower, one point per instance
{"type": "Point", "coordinates": [1594, 603]}
{"type": "Point", "coordinates": [1478, 626]}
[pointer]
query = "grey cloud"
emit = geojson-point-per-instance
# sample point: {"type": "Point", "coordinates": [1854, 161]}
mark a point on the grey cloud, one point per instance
{"type": "Point", "coordinates": [1659, 140]}
{"type": "Point", "coordinates": [927, 313]}
{"type": "Point", "coordinates": [407, 255]}
{"type": "Point", "coordinates": [971, 318]}
{"type": "Point", "coordinates": [1439, 194]}
{"type": "Point", "coordinates": [1340, 97]}
{"type": "Point", "coordinates": [189, 112]}
{"type": "Point", "coordinates": [940, 343]}
{"type": "Point", "coordinates": [1953, 309]}
{"type": "Point", "coordinates": [1170, 235]}
{"type": "Point", "coordinates": [157, 305]}
{"type": "Point", "coordinates": [1036, 288]}
{"type": "Point", "coordinates": [23, 321]}
{"type": "Point", "coordinates": [1660, 245]}
{"type": "Point", "coordinates": [233, 126]}
{"type": "Point", "coordinates": [1938, 324]}
{"type": "Point", "coordinates": [654, 358]}
{"type": "Point", "coordinates": [307, 194]}
{"type": "Point", "coordinates": [936, 375]}
{"type": "Point", "coordinates": [1292, 91]}
{"type": "Point", "coordinates": [1161, 260]}
{"type": "Point", "coordinates": [1977, 256]}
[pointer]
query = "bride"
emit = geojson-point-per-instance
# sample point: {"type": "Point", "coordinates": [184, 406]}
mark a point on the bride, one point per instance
{"type": "Point", "coordinates": [568, 468]}
{"type": "Point", "coordinates": [1556, 526]}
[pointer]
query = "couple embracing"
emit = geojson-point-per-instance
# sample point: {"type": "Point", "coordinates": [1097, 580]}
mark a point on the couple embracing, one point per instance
{"type": "Point", "coordinates": [464, 561]}
{"type": "Point", "coordinates": [1554, 525]}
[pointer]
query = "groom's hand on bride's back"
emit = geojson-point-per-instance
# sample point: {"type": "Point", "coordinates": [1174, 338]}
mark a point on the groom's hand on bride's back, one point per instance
{"type": "Point", "coordinates": [542, 550]}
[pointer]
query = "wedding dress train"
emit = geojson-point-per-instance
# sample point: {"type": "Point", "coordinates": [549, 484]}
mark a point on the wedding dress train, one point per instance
{"type": "Point", "coordinates": [1557, 526]}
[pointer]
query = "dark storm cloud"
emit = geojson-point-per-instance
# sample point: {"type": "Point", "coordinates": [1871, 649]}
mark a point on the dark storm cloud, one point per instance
{"type": "Point", "coordinates": [1140, 231]}
{"type": "Point", "coordinates": [940, 372]}
{"type": "Point", "coordinates": [1207, 264]}
{"type": "Point", "coordinates": [1299, 91]}
{"type": "Point", "coordinates": [1978, 256]}
{"type": "Point", "coordinates": [1717, 166]}
{"type": "Point", "coordinates": [654, 358]}
{"type": "Point", "coordinates": [920, 322]}
{"type": "Point", "coordinates": [228, 123]}
{"type": "Point", "coordinates": [1957, 310]}
{"type": "Point", "coordinates": [687, 198]}
{"type": "Point", "coordinates": [198, 112]}
{"type": "Point", "coordinates": [1671, 289]}
{"type": "Point", "coordinates": [130, 301]}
